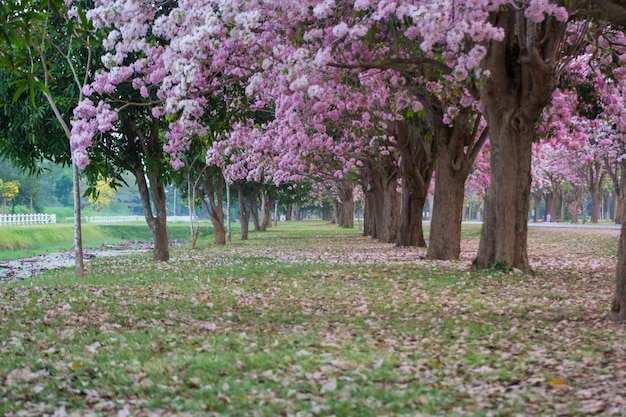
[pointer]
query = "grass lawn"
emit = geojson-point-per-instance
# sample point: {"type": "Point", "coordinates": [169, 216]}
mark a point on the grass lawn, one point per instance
{"type": "Point", "coordinates": [308, 319]}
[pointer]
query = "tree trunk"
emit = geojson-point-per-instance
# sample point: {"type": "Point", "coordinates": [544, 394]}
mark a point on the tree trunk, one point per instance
{"type": "Point", "coordinates": [371, 180]}
{"type": "Point", "coordinates": [228, 234]}
{"type": "Point", "coordinates": [345, 207]}
{"type": "Point", "coordinates": [288, 211]}
{"type": "Point", "coordinates": [156, 223]}
{"type": "Point", "coordinates": [550, 215]}
{"type": "Point", "coordinates": [212, 200]}
{"type": "Point", "coordinates": [595, 178]}
{"type": "Point", "coordinates": [618, 206]}
{"type": "Point", "coordinates": [392, 201]}
{"type": "Point", "coordinates": [444, 241]}
{"type": "Point", "coordinates": [457, 149]}
{"type": "Point", "coordinates": [521, 84]}
{"type": "Point", "coordinates": [618, 305]}
{"type": "Point", "coordinates": [416, 168]}
{"type": "Point", "coordinates": [619, 192]}
{"type": "Point", "coordinates": [79, 264]}
{"type": "Point", "coordinates": [267, 202]}
{"type": "Point", "coordinates": [382, 200]}
{"type": "Point", "coordinates": [563, 198]}
{"type": "Point", "coordinates": [244, 211]}
{"type": "Point", "coordinates": [254, 213]}
{"type": "Point", "coordinates": [596, 198]}
{"type": "Point", "coordinates": [578, 196]}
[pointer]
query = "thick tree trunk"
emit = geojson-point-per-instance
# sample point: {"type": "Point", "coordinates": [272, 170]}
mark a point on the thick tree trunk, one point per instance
{"type": "Point", "coordinates": [445, 227]}
{"type": "Point", "coordinates": [596, 198]}
{"type": "Point", "coordinates": [618, 305]}
{"type": "Point", "coordinates": [382, 200]}
{"type": "Point", "coordinates": [520, 86]}
{"type": "Point", "coordinates": [371, 180]}
{"type": "Point", "coordinates": [391, 209]}
{"type": "Point", "coordinates": [345, 207]}
{"type": "Point", "coordinates": [457, 148]}
{"type": "Point", "coordinates": [416, 168]}
{"type": "Point", "coordinates": [288, 210]}
{"type": "Point", "coordinates": [550, 215]}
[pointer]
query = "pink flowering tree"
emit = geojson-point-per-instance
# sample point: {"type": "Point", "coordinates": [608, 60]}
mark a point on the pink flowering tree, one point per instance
{"type": "Point", "coordinates": [428, 65]}
{"type": "Point", "coordinates": [152, 96]}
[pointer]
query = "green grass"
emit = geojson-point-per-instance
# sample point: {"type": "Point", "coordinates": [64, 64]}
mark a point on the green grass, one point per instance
{"type": "Point", "coordinates": [305, 319]}
{"type": "Point", "coordinates": [21, 241]}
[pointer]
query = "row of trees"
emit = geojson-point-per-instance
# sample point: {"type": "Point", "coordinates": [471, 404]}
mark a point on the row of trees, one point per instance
{"type": "Point", "coordinates": [381, 93]}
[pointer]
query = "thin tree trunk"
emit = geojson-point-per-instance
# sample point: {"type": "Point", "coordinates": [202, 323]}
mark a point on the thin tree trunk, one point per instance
{"type": "Point", "coordinates": [212, 200]}
{"type": "Point", "coordinates": [79, 267]}
{"type": "Point", "coordinates": [244, 211]}
{"type": "Point", "coordinates": [595, 178]}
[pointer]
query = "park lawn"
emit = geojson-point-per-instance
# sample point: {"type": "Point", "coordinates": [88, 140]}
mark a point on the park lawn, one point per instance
{"type": "Point", "coordinates": [308, 319]}
{"type": "Point", "coordinates": [28, 240]}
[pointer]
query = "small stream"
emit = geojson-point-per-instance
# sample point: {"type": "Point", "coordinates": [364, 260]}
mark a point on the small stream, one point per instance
{"type": "Point", "coordinates": [18, 269]}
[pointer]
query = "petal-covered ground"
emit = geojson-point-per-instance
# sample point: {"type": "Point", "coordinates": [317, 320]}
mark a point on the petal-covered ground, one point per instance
{"type": "Point", "coordinates": [308, 319]}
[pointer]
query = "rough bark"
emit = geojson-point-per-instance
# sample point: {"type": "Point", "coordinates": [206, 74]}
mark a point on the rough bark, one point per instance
{"type": "Point", "coordinates": [392, 201]}
{"type": "Point", "coordinates": [618, 305]}
{"type": "Point", "coordinates": [550, 214]}
{"type": "Point", "coordinates": [416, 169]}
{"type": "Point", "coordinates": [153, 195]}
{"type": "Point", "coordinates": [345, 205]}
{"type": "Point", "coordinates": [149, 181]}
{"type": "Point", "coordinates": [382, 200]}
{"type": "Point", "coordinates": [371, 182]}
{"type": "Point", "coordinates": [521, 84]}
{"type": "Point", "coordinates": [457, 149]}
{"type": "Point", "coordinates": [211, 198]}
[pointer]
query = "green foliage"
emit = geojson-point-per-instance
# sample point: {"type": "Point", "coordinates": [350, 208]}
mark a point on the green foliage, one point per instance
{"type": "Point", "coordinates": [500, 266]}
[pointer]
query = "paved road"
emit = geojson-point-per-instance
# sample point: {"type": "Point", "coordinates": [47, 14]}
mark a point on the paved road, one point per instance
{"type": "Point", "coordinates": [569, 225]}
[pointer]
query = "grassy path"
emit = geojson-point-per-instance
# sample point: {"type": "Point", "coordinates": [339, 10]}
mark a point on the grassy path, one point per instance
{"type": "Point", "coordinates": [311, 320]}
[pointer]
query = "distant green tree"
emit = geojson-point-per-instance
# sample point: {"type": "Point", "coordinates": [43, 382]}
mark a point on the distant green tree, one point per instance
{"type": "Point", "coordinates": [62, 188]}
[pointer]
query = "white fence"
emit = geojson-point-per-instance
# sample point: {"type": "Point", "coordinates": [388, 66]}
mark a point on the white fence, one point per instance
{"type": "Point", "coordinates": [123, 219]}
{"type": "Point", "coordinates": [19, 219]}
